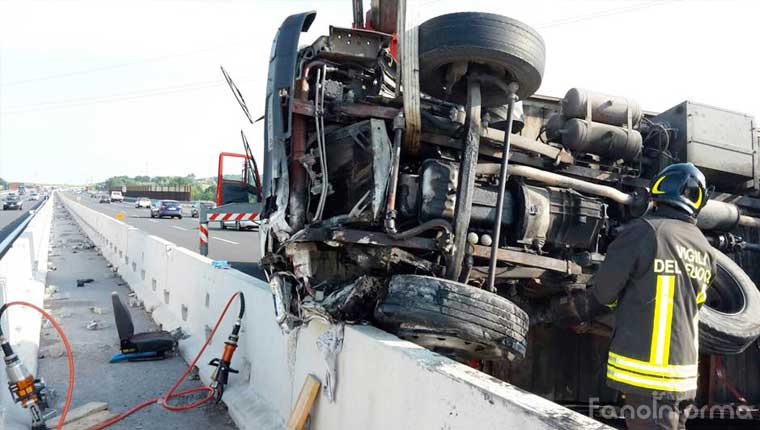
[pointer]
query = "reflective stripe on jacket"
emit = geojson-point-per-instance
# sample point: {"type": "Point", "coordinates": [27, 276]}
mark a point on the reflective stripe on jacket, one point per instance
{"type": "Point", "coordinates": [658, 271]}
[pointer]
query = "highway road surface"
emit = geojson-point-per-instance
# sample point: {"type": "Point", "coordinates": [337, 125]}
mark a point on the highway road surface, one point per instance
{"type": "Point", "coordinates": [7, 217]}
{"type": "Point", "coordinates": [240, 248]}
{"type": "Point", "coordinates": [10, 219]}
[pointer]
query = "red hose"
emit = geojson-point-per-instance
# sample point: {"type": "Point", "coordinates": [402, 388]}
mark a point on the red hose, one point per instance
{"type": "Point", "coordinates": [164, 400]}
{"type": "Point", "coordinates": [70, 358]}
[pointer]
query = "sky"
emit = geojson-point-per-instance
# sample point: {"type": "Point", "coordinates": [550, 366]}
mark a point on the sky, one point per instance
{"type": "Point", "coordinates": [90, 90]}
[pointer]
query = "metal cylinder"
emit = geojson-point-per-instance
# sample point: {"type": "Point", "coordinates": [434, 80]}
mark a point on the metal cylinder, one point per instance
{"type": "Point", "coordinates": [553, 127]}
{"type": "Point", "coordinates": [607, 141]}
{"type": "Point", "coordinates": [557, 180]}
{"type": "Point", "coordinates": [719, 216]}
{"type": "Point", "coordinates": [498, 116]}
{"type": "Point", "coordinates": [606, 109]}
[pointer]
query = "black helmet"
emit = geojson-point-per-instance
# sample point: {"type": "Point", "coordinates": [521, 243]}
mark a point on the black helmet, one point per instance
{"type": "Point", "coordinates": [682, 186]}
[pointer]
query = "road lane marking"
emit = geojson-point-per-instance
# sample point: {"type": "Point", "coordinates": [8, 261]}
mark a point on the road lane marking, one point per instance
{"type": "Point", "coordinates": [225, 240]}
{"type": "Point", "coordinates": [179, 228]}
{"type": "Point", "coordinates": [154, 220]}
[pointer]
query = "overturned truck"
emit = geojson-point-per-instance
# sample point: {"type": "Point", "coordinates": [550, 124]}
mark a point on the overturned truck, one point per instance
{"type": "Point", "coordinates": [413, 180]}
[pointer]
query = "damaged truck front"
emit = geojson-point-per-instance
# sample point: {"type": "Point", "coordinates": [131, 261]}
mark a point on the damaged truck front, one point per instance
{"type": "Point", "coordinates": [406, 185]}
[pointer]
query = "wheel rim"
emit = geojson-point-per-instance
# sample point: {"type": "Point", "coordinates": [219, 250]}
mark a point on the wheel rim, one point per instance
{"type": "Point", "coordinates": [449, 345]}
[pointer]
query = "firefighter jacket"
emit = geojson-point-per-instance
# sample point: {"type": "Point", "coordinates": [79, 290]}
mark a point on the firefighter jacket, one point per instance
{"type": "Point", "coordinates": [656, 274]}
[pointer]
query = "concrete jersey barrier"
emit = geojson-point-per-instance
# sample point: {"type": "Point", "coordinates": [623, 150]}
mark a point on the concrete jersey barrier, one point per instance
{"type": "Point", "coordinates": [381, 381]}
{"type": "Point", "coordinates": [23, 272]}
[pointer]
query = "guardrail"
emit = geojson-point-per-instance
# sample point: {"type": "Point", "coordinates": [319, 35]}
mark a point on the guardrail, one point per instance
{"type": "Point", "coordinates": [380, 381]}
{"type": "Point", "coordinates": [23, 271]}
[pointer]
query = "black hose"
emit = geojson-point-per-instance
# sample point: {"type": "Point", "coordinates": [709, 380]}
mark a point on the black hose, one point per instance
{"type": "Point", "coordinates": [242, 304]}
{"type": "Point", "coordinates": [2, 309]}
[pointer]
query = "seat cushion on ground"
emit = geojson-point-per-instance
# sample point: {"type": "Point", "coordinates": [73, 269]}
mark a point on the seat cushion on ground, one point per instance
{"type": "Point", "coordinates": [152, 341]}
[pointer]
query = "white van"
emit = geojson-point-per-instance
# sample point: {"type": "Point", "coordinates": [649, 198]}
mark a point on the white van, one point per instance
{"type": "Point", "coordinates": [116, 196]}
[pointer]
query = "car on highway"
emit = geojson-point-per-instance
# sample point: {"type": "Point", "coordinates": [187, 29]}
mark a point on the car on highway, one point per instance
{"type": "Point", "coordinates": [12, 202]}
{"type": "Point", "coordinates": [142, 202]}
{"type": "Point", "coordinates": [162, 208]}
{"type": "Point", "coordinates": [34, 196]}
{"type": "Point", "coordinates": [116, 196]}
{"type": "Point", "coordinates": [195, 210]}
{"type": "Point", "coordinates": [104, 198]}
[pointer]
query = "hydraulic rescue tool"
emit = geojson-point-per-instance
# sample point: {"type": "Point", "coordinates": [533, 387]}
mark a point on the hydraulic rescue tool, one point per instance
{"type": "Point", "coordinates": [24, 387]}
{"type": "Point", "coordinates": [223, 365]}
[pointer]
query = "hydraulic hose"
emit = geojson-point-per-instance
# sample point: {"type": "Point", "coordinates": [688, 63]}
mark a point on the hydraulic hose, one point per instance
{"type": "Point", "coordinates": [172, 393]}
{"type": "Point", "coordinates": [69, 356]}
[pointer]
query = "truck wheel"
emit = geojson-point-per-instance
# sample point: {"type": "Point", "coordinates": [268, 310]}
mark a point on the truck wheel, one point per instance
{"type": "Point", "coordinates": [730, 320]}
{"type": "Point", "coordinates": [453, 319]}
{"type": "Point", "coordinates": [502, 47]}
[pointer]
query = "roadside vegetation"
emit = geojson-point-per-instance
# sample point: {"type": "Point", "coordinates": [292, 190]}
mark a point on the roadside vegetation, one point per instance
{"type": "Point", "coordinates": [202, 188]}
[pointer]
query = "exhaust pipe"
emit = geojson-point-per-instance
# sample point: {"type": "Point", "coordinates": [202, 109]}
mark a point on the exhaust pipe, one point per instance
{"type": "Point", "coordinates": [716, 215]}
{"type": "Point", "coordinates": [556, 180]}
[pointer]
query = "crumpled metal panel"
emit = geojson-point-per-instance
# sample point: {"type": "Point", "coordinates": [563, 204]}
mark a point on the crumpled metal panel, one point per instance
{"type": "Point", "coordinates": [279, 96]}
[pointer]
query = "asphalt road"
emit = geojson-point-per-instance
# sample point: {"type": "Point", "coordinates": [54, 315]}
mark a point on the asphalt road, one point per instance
{"type": "Point", "coordinates": [7, 217]}
{"type": "Point", "coordinates": [240, 248]}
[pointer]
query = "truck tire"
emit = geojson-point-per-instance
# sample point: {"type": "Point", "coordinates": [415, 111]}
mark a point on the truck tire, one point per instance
{"type": "Point", "coordinates": [504, 47]}
{"type": "Point", "coordinates": [730, 320]}
{"type": "Point", "coordinates": [453, 319]}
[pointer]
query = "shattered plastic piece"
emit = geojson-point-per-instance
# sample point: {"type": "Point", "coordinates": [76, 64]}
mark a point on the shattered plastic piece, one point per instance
{"type": "Point", "coordinates": [178, 334]}
{"type": "Point", "coordinates": [221, 264]}
{"type": "Point", "coordinates": [81, 282]}
{"type": "Point", "coordinates": [97, 310]}
{"type": "Point", "coordinates": [52, 351]}
{"type": "Point", "coordinates": [330, 344]}
{"type": "Point", "coordinates": [92, 325]}
{"type": "Point", "coordinates": [355, 301]}
{"type": "Point", "coordinates": [61, 314]}
{"type": "Point", "coordinates": [281, 294]}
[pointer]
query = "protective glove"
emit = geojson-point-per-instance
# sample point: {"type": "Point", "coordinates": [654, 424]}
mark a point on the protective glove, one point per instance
{"type": "Point", "coordinates": [572, 310]}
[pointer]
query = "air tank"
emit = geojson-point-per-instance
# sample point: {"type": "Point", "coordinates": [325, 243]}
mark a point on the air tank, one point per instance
{"type": "Point", "coordinates": [719, 216]}
{"type": "Point", "coordinates": [553, 127]}
{"type": "Point", "coordinates": [606, 109]}
{"type": "Point", "coordinates": [607, 141]}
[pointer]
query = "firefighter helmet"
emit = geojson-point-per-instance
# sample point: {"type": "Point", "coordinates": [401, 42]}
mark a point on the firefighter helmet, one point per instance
{"type": "Point", "coordinates": [682, 186]}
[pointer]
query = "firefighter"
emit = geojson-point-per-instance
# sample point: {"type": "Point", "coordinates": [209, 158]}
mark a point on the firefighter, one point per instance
{"type": "Point", "coordinates": [655, 277]}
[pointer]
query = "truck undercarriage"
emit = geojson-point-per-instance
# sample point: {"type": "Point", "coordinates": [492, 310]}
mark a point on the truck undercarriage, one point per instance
{"type": "Point", "coordinates": [406, 185]}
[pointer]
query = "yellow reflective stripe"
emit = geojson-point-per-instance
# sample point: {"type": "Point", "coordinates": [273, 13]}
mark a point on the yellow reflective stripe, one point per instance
{"type": "Point", "coordinates": [661, 323]}
{"type": "Point", "coordinates": [627, 363]}
{"type": "Point", "coordinates": [613, 304]}
{"type": "Point", "coordinates": [698, 203]}
{"type": "Point", "coordinates": [695, 327]}
{"type": "Point", "coordinates": [656, 186]}
{"type": "Point", "coordinates": [652, 383]}
{"type": "Point", "coordinates": [668, 320]}
{"type": "Point", "coordinates": [702, 294]}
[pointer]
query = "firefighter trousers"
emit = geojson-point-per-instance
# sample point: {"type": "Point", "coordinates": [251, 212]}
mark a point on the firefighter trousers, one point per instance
{"type": "Point", "coordinates": [652, 413]}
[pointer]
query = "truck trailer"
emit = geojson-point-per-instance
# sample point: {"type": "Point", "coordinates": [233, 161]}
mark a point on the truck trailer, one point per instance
{"type": "Point", "coordinates": [413, 179]}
